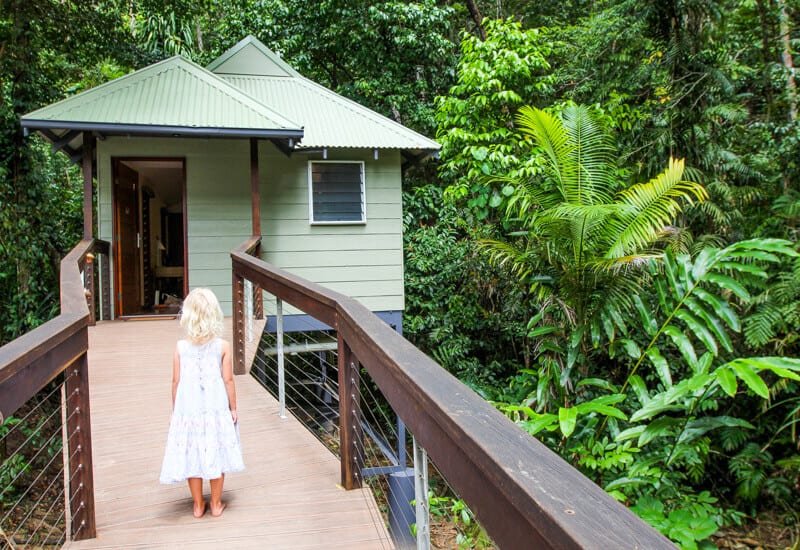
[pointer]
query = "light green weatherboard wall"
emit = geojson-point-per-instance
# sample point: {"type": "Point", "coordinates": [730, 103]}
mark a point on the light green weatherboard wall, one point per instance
{"type": "Point", "coordinates": [362, 260]}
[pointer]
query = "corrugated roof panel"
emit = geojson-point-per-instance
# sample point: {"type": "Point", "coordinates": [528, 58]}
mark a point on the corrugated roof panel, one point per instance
{"type": "Point", "coordinates": [329, 119]}
{"type": "Point", "coordinates": [174, 92]}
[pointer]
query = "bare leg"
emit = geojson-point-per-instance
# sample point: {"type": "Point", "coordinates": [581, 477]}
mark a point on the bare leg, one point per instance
{"type": "Point", "coordinates": [196, 488]}
{"type": "Point", "coordinates": [216, 496]}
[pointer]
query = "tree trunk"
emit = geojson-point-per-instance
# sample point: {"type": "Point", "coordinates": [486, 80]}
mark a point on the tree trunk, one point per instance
{"type": "Point", "coordinates": [475, 12]}
{"type": "Point", "coordinates": [788, 63]}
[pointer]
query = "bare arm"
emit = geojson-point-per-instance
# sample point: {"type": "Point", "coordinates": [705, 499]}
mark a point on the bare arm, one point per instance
{"type": "Point", "coordinates": [227, 377]}
{"type": "Point", "coordinates": [176, 373]}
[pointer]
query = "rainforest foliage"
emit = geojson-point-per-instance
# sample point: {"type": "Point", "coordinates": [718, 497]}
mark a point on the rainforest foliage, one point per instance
{"type": "Point", "coordinates": [606, 248]}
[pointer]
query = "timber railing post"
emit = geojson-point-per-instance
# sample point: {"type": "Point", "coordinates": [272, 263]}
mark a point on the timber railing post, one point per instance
{"type": "Point", "coordinates": [88, 283]}
{"type": "Point", "coordinates": [79, 443]}
{"type": "Point", "coordinates": [258, 296]}
{"type": "Point", "coordinates": [239, 366]}
{"type": "Point", "coordinates": [351, 446]}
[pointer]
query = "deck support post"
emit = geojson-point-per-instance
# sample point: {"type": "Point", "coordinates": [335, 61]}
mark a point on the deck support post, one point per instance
{"type": "Point", "coordinates": [421, 497]}
{"type": "Point", "coordinates": [351, 446]}
{"type": "Point", "coordinates": [281, 365]}
{"type": "Point", "coordinates": [79, 444]}
{"type": "Point", "coordinates": [239, 366]}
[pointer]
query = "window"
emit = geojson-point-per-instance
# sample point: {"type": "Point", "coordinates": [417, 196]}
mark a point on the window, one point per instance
{"type": "Point", "coordinates": [336, 192]}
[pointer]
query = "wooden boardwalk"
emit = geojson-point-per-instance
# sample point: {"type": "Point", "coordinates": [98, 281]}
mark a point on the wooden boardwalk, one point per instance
{"type": "Point", "coordinates": [288, 497]}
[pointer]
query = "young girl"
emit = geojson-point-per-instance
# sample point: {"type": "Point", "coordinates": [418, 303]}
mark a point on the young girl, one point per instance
{"type": "Point", "coordinates": [203, 439]}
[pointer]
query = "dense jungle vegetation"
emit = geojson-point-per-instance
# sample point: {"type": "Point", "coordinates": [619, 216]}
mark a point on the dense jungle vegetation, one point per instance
{"type": "Point", "coordinates": [606, 248]}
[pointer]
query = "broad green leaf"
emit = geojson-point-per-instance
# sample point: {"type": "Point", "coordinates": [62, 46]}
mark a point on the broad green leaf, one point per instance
{"type": "Point", "coordinates": [626, 482]}
{"type": "Point", "coordinates": [700, 426]}
{"type": "Point", "coordinates": [750, 269]}
{"type": "Point", "coordinates": [654, 406]}
{"type": "Point", "coordinates": [699, 381]}
{"type": "Point", "coordinates": [699, 330]}
{"type": "Point", "coordinates": [683, 344]}
{"type": "Point", "coordinates": [630, 433]}
{"type": "Point", "coordinates": [712, 322]}
{"type": "Point", "coordinates": [727, 380]}
{"type": "Point", "coordinates": [567, 418]}
{"type": "Point", "coordinates": [542, 331]}
{"type": "Point", "coordinates": [658, 428]}
{"type": "Point", "coordinates": [721, 308]}
{"type": "Point", "coordinates": [631, 348]}
{"type": "Point", "coordinates": [534, 426]}
{"type": "Point", "coordinates": [661, 366]}
{"type": "Point", "coordinates": [639, 388]}
{"type": "Point", "coordinates": [598, 382]}
{"type": "Point", "coordinates": [676, 286]}
{"type": "Point", "coordinates": [749, 376]}
{"type": "Point", "coordinates": [704, 261]}
{"type": "Point", "coordinates": [730, 284]}
{"type": "Point", "coordinates": [601, 405]}
{"type": "Point", "coordinates": [648, 321]}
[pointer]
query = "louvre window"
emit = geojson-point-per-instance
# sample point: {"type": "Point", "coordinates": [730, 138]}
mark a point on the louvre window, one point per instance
{"type": "Point", "coordinates": [336, 192]}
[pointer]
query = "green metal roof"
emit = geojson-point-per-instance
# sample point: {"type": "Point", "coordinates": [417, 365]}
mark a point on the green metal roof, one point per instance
{"type": "Point", "coordinates": [329, 119]}
{"type": "Point", "coordinates": [249, 91]}
{"type": "Point", "coordinates": [172, 97]}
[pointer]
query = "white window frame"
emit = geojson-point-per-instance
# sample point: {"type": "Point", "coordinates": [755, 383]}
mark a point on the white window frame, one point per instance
{"type": "Point", "coordinates": [311, 219]}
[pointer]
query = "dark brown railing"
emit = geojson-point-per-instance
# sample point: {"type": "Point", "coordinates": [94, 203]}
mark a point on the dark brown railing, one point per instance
{"type": "Point", "coordinates": [30, 362]}
{"type": "Point", "coordinates": [523, 494]}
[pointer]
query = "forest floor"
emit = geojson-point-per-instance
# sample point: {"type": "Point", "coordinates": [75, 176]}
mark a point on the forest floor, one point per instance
{"type": "Point", "coordinates": [769, 531]}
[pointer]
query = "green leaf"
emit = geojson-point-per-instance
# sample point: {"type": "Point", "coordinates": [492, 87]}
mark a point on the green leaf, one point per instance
{"type": "Point", "coordinates": [567, 418]}
{"type": "Point", "coordinates": [712, 322]}
{"type": "Point", "coordinates": [535, 425]}
{"type": "Point", "coordinates": [682, 342]}
{"type": "Point", "coordinates": [701, 426]}
{"type": "Point", "coordinates": [720, 307]}
{"type": "Point", "coordinates": [601, 405]}
{"type": "Point", "coordinates": [598, 382]}
{"type": "Point", "coordinates": [749, 376]}
{"type": "Point", "coordinates": [639, 388]}
{"type": "Point", "coordinates": [730, 284]}
{"type": "Point", "coordinates": [699, 330]}
{"type": "Point", "coordinates": [658, 428]}
{"type": "Point", "coordinates": [661, 366]}
{"type": "Point", "coordinates": [543, 330]}
{"type": "Point", "coordinates": [648, 321]}
{"type": "Point", "coordinates": [727, 380]}
{"type": "Point", "coordinates": [630, 433]}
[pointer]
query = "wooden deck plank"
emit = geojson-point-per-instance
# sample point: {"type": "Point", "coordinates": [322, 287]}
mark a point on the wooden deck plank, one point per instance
{"type": "Point", "coordinates": [288, 497]}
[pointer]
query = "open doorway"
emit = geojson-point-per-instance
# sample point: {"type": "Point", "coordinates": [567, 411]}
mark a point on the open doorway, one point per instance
{"type": "Point", "coordinates": [149, 235]}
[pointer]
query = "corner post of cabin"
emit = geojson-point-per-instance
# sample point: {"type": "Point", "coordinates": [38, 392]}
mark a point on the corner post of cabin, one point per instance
{"type": "Point", "coordinates": [88, 219]}
{"type": "Point", "coordinates": [351, 445]}
{"type": "Point", "coordinates": [255, 176]}
{"type": "Point", "coordinates": [79, 445]}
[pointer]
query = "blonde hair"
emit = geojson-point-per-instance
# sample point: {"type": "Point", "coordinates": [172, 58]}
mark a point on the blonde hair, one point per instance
{"type": "Point", "coordinates": [201, 315]}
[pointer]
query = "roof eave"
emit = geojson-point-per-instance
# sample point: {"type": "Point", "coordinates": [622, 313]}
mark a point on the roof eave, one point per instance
{"type": "Point", "coordinates": [163, 130]}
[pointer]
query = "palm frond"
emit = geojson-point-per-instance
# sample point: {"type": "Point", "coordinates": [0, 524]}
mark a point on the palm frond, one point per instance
{"type": "Point", "coordinates": [591, 175]}
{"type": "Point", "coordinates": [650, 207]}
{"type": "Point", "coordinates": [550, 135]}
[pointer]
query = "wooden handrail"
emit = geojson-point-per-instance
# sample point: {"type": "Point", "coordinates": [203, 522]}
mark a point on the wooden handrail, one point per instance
{"type": "Point", "coordinates": [29, 362]}
{"type": "Point", "coordinates": [524, 494]}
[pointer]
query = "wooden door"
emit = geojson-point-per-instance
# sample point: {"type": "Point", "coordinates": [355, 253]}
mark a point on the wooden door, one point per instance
{"type": "Point", "coordinates": [127, 241]}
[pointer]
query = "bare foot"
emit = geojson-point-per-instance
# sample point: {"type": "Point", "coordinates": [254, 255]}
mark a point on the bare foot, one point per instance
{"type": "Point", "coordinates": [216, 510]}
{"type": "Point", "coordinates": [199, 511]}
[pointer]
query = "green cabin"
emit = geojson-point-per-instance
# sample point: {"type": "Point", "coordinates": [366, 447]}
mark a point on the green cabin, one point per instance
{"type": "Point", "coordinates": [190, 161]}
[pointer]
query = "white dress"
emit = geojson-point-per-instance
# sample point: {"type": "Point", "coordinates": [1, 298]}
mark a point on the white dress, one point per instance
{"type": "Point", "coordinates": [202, 441]}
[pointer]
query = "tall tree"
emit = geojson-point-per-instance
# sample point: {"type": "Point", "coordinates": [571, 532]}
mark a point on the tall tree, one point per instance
{"type": "Point", "coordinates": [46, 48]}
